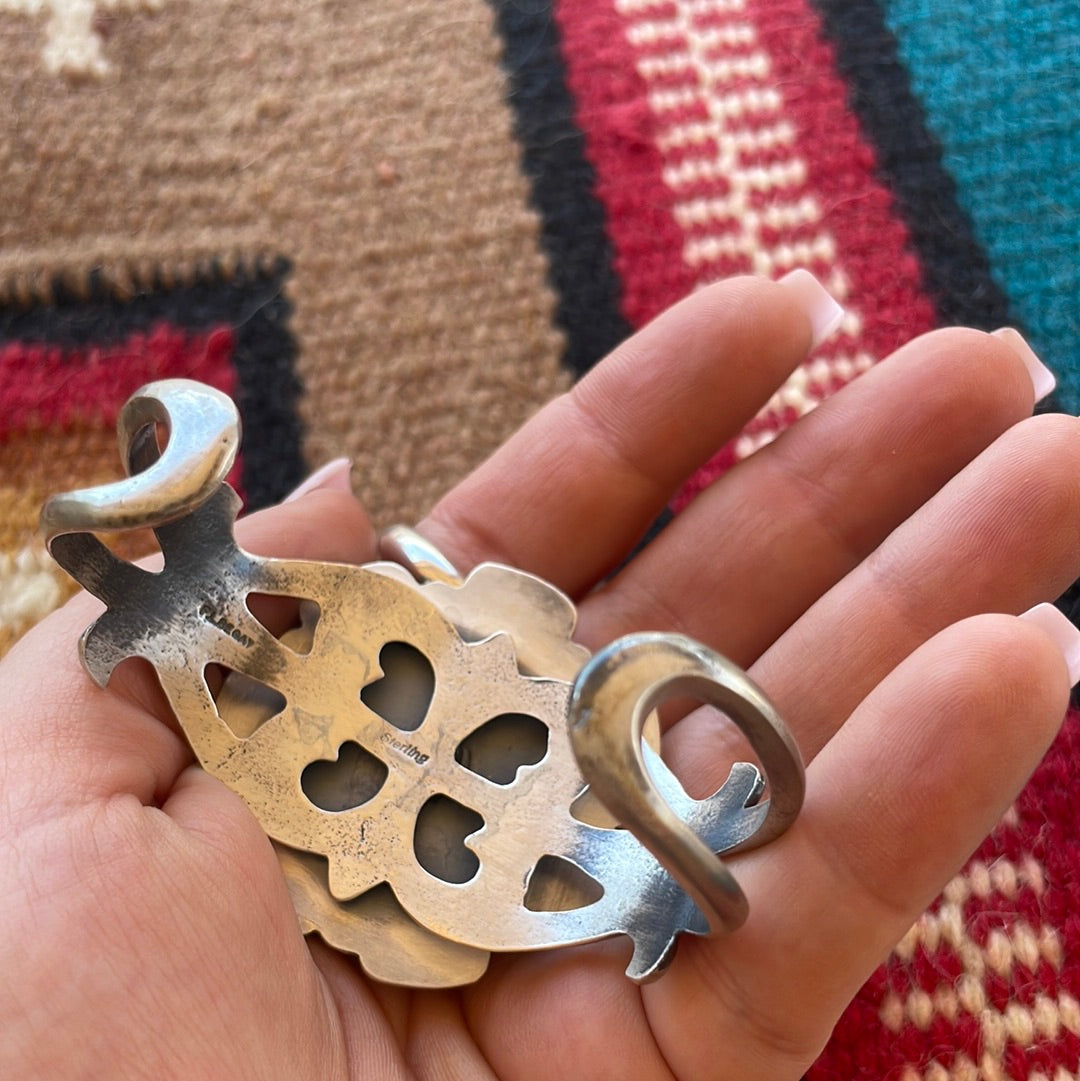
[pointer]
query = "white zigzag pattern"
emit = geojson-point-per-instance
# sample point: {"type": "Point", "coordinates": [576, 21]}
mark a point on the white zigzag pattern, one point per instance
{"type": "Point", "coordinates": [966, 1070]}
{"type": "Point", "coordinates": [1019, 944]}
{"type": "Point", "coordinates": [742, 118]}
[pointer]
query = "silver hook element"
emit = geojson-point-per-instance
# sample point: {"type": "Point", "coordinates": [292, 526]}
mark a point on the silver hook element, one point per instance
{"type": "Point", "coordinates": [613, 695]}
{"type": "Point", "coordinates": [203, 438]}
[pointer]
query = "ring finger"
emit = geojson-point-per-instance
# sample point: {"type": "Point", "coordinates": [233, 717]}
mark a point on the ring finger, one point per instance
{"type": "Point", "coordinates": [791, 521]}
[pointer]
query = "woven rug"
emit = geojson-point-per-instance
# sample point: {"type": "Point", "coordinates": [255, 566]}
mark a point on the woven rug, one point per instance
{"type": "Point", "coordinates": [392, 231]}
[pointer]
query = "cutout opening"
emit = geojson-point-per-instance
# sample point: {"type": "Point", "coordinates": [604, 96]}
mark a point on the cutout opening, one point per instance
{"type": "Point", "coordinates": [243, 703]}
{"type": "Point", "coordinates": [498, 749]}
{"type": "Point", "coordinates": [350, 780]}
{"type": "Point", "coordinates": [439, 839]}
{"type": "Point", "coordinates": [557, 885]}
{"type": "Point", "coordinates": [704, 764]}
{"type": "Point", "coordinates": [291, 620]}
{"type": "Point", "coordinates": [146, 446]}
{"type": "Point", "coordinates": [586, 807]}
{"type": "Point", "coordinates": [402, 696]}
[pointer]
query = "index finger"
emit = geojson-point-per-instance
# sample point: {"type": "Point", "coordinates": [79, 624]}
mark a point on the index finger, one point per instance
{"type": "Point", "coordinates": [572, 492]}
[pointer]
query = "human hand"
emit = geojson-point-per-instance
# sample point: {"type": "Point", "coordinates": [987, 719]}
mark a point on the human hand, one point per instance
{"type": "Point", "coordinates": [147, 928]}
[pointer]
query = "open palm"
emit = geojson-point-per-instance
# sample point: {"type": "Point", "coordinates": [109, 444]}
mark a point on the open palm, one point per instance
{"type": "Point", "coordinates": [147, 930]}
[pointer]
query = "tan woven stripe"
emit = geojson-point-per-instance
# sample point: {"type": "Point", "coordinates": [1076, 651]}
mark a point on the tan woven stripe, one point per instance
{"type": "Point", "coordinates": [31, 586]}
{"type": "Point", "coordinates": [32, 467]}
{"type": "Point", "coordinates": [368, 143]}
{"type": "Point", "coordinates": [37, 464]}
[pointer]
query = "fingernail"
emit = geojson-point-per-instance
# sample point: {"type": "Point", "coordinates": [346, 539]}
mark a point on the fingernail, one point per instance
{"type": "Point", "coordinates": [1042, 379]}
{"type": "Point", "coordinates": [814, 299]}
{"type": "Point", "coordinates": [334, 475]}
{"type": "Point", "coordinates": [1061, 629]}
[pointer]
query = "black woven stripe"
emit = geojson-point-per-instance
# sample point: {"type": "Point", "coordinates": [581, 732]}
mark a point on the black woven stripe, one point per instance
{"type": "Point", "coordinates": [956, 269]}
{"type": "Point", "coordinates": [250, 302]}
{"type": "Point", "coordinates": [573, 230]}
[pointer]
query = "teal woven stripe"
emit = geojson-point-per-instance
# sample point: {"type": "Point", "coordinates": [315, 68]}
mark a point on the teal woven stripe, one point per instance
{"type": "Point", "coordinates": [1001, 85]}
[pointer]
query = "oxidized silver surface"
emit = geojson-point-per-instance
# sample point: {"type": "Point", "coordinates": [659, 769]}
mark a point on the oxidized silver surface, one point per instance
{"type": "Point", "coordinates": [443, 771]}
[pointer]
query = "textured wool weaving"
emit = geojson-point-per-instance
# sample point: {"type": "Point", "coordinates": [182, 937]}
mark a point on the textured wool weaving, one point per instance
{"type": "Point", "coordinates": [393, 230]}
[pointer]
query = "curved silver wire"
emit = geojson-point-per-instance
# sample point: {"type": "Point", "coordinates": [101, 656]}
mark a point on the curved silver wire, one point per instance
{"type": "Point", "coordinates": [203, 438]}
{"type": "Point", "coordinates": [613, 695]}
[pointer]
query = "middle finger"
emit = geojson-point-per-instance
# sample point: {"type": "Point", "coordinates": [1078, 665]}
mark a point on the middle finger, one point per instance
{"type": "Point", "coordinates": [791, 521]}
{"type": "Point", "coordinates": [1002, 536]}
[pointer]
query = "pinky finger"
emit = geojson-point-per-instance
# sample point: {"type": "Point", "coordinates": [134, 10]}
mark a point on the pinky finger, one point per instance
{"type": "Point", "coordinates": [898, 799]}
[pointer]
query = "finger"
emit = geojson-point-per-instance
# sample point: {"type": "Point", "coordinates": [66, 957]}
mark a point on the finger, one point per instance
{"type": "Point", "coordinates": [228, 913]}
{"type": "Point", "coordinates": [372, 1035]}
{"type": "Point", "coordinates": [792, 520]}
{"type": "Point", "coordinates": [441, 1046]}
{"type": "Point", "coordinates": [1002, 536]}
{"type": "Point", "coordinates": [325, 523]}
{"type": "Point", "coordinates": [573, 491]}
{"type": "Point", "coordinates": [906, 790]}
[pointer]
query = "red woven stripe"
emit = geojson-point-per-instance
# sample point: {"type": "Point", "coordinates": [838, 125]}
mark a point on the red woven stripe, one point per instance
{"type": "Point", "coordinates": [872, 241]}
{"type": "Point", "coordinates": [630, 146]}
{"type": "Point", "coordinates": [46, 386]}
{"type": "Point", "coordinates": [614, 114]}
{"type": "Point", "coordinates": [768, 52]}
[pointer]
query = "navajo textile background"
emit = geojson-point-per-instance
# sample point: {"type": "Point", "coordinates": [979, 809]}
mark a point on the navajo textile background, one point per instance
{"type": "Point", "coordinates": [393, 230]}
